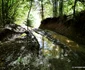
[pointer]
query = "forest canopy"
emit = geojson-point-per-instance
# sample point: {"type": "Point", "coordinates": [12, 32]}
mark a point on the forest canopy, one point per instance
{"type": "Point", "coordinates": [21, 11]}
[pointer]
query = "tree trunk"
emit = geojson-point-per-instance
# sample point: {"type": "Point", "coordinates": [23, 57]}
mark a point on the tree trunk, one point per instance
{"type": "Point", "coordinates": [2, 12]}
{"type": "Point", "coordinates": [28, 20]}
{"type": "Point", "coordinates": [55, 5]}
{"type": "Point", "coordinates": [74, 8]}
{"type": "Point", "coordinates": [42, 11]}
{"type": "Point", "coordinates": [61, 8]}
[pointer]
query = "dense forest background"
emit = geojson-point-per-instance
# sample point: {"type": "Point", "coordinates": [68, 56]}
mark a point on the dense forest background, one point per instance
{"type": "Point", "coordinates": [42, 34]}
{"type": "Point", "coordinates": [13, 11]}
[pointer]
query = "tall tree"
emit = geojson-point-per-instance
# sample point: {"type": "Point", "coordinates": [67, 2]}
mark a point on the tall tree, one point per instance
{"type": "Point", "coordinates": [42, 11]}
{"type": "Point", "coordinates": [75, 1]}
{"type": "Point", "coordinates": [55, 5]}
{"type": "Point", "coordinates": [6, 6]}
{"type": "Point", "coordinates": [2, 13]}
{"type": "Point", "coordinates": [60, 8]}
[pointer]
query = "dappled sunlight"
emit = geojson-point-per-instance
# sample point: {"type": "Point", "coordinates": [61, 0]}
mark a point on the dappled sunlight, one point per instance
{"type": "Point", "coordinates": [71, 44]}
{"type": "Point", "coordinates": [52, 50]}
{"type": "Point", "coordinates": [37, 19]}
{"type": "Point", "coordinates": [51, 46]}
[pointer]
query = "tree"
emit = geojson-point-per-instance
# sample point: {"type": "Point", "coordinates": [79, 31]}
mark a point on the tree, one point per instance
{"type": "Point", "coordinates": [8, 7]}
{"type": "Point", "coordinates": [55, 6]}
{"type": "Point", "coordinates": [42, 9]}
{"type": "Point", "coordinates": [74, 8]}
{"type": "Point", "coordinates": [61, 8]}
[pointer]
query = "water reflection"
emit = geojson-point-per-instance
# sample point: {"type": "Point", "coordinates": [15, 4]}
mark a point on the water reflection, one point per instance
{"type": "Point", "coordinates": [60, 51]}
{"type": "Point", "coordinates": [51, 42]}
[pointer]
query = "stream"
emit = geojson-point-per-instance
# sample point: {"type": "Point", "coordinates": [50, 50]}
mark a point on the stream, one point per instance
{"type": "Point", "coordinates": [64, 46]}
{"type": "Point", "coordinates": [18, 51]}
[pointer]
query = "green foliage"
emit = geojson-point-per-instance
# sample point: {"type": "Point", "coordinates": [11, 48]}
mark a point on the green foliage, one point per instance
{"type": "Point", "coordinates": [47, 11]}
{"type": "Point", "coordinates": [16, 11]}
{"type": "Point", "coordinates": [21, 12]}
{"type": "Point", "coordinates": [68, 6]}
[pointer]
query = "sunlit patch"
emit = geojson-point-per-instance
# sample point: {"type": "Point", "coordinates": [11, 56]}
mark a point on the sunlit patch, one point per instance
{"type": "Point", "coordinates": [22, 48]}
{"type": "Point", "coordinates": [52, 46]}
{"type": "Point", "coordinates": [24, 34]}
{"type": "Point", "coordinates": [23, 25]}
{"type": "Point", "coordinates": [66, 54]}
{"type": "Point", "coordinates": [57, 57]}
{"type": "Point", "coordinates": [46, 51]}
{"type": "Point", "coordinates": [39, 38]}
{"type": "Point", "coordinates": [68, 40]}
{"type": "Point", "coordinates": [57, 48]}
{"type": "Point", "coordinates": [72, 43]}
{"type": "Point", "coordinates": [37, 19]}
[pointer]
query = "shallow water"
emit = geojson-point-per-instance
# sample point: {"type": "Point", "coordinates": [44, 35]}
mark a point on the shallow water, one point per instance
{"type": "Point", "coordinates": [56, 52]}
